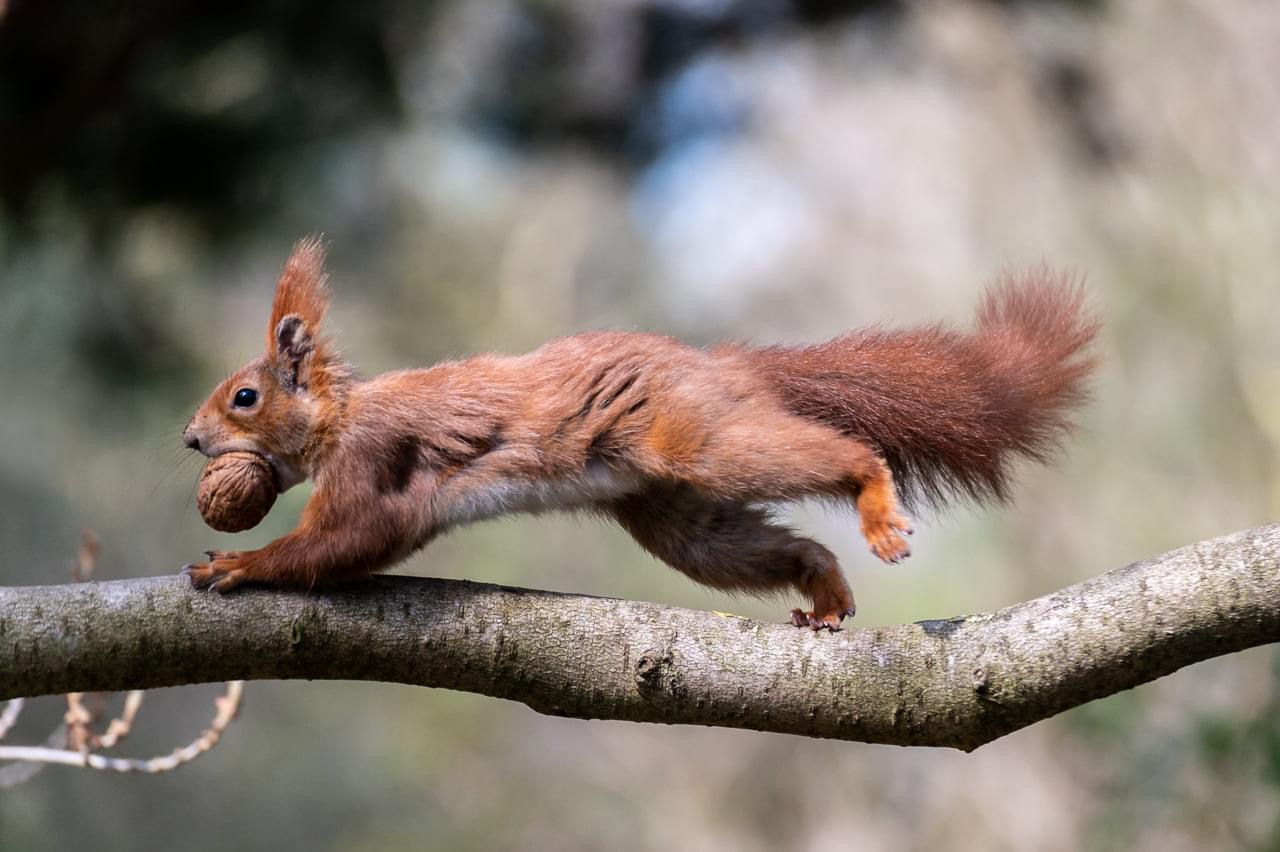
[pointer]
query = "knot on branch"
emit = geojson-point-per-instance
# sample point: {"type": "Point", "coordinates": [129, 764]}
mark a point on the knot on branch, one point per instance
{"type": "Point", "coordinates": [658, 676]}
{"type": "Point", "coordinates": [981, 681]}
{"type": "Point", "coordinates": [982, 686]}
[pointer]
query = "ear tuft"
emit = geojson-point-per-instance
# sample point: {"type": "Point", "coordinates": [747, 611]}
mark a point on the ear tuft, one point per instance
{"type": "Point", "coordinates": [301, 292]}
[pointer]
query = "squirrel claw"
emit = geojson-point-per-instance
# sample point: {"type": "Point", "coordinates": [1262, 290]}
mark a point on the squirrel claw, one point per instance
{"type": "Point", "coordinates": [831, 621]}
{"type": "Point", "coordinates": [219, 574]}
{"type": "Point", "coordinates": [225, 583]}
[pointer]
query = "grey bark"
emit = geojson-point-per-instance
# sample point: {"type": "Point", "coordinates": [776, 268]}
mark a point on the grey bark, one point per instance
{"type": "Point", "coordinates": [959, 682]}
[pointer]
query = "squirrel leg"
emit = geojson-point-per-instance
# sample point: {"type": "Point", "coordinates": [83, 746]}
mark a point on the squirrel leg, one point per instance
{"type": "Point", "coordinates": [879, 517]}
{"type": "Point", "coordinates": [781, 457]}
{"type": "Point", "coordinates": [299, 560]}
{"type": "Point", "coordinates": [734, 546]}
{"type": "Point", "coordinates": [333, 544]}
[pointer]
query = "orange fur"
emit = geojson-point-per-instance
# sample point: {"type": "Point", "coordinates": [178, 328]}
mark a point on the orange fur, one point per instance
{"type": "Point", "coordinates": [302, 288]}
{"type": "Point", "coordinates": [681, 446]}
{"type": "Point", "coordinates": [674, 439]}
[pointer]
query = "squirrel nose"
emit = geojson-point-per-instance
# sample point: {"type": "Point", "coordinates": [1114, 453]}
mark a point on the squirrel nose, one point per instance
{"type": "Point", "coordinates": [191, 439]}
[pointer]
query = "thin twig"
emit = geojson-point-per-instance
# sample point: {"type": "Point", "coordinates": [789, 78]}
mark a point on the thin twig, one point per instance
{"type": "Point", "coordinates": [84, 708]}
{"type": "Point", "coordinates": [227, 706]}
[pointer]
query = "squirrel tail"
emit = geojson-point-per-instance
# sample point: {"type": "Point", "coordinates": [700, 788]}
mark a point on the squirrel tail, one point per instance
{"type": "Point", "coordinates": [950, 411]}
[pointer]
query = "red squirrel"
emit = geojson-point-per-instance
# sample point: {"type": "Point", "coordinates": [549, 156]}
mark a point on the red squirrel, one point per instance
{"type": "Point", "coordinates": [683, 447]}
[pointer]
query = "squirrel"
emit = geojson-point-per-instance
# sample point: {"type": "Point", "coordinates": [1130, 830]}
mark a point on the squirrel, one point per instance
{"type": "Point", "coordinates": [684, 447]}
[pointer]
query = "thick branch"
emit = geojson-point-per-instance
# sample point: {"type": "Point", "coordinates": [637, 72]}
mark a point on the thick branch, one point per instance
{"type": "Point", "coordinates": [960, 682]}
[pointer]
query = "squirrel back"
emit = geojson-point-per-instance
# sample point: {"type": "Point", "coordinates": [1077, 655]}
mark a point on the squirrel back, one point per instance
{"type": "Point", "coordinates": [950, 411]}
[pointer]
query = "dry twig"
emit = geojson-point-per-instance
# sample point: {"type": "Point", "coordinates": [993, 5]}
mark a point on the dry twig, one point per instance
{"type": "Point", "coordinates": [227, 706]}
{"type": "Point", "coordinates": [83, 709]}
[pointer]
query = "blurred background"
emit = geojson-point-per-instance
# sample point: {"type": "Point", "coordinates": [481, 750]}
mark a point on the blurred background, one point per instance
{"type": "Point", "coordinates": [493, 174]}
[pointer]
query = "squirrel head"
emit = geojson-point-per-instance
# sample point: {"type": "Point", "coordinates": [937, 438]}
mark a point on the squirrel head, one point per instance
{"type": "Point", "coordinates": [283, 404]}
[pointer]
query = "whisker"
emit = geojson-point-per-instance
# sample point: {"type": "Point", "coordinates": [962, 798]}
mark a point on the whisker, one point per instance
{"type": "Point", "coordinates": [177, 462]}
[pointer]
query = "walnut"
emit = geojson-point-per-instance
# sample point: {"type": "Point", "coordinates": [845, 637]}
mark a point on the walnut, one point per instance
{"type": "Point", "coordinates": [236, 491]}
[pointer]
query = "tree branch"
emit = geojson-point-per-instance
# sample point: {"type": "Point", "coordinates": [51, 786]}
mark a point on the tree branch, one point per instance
{"type": "Point", "coordinates": [961, 682]}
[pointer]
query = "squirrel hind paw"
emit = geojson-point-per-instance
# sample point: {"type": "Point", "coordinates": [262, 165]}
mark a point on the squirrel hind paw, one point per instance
{"type": "Point", "coordinates": [830, 621]}
{"type": "Point", "coordinates": [886, 538]}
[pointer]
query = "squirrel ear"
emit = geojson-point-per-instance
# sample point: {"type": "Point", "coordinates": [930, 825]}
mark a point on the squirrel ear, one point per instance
{"type": "Point", "coordinates": [293, 347]}
{"type": "Point", "coordinates": [301, 291]}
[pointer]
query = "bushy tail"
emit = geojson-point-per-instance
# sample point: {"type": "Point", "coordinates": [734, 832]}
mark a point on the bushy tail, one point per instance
{"type": "Point", "coordinates": [950, 411]}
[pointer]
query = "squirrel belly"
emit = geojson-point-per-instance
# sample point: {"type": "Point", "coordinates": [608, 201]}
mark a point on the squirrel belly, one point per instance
{"type": "Point", "coordinates": [596, 484]}
{"type": "Point", "coordinates": [680, 446]}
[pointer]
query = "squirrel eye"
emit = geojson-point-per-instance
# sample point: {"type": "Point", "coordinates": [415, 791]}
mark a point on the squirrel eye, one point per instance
{"type": "Point", "coordinates": [244, 398]}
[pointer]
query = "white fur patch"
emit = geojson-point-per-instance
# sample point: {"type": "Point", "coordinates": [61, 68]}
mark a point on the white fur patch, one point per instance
{"type": "Point", "coordinates": [597, 483]}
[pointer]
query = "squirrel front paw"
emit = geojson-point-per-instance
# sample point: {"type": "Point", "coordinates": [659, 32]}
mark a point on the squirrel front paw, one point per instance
{"type": "Point", "coordinates": [221, 573]}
